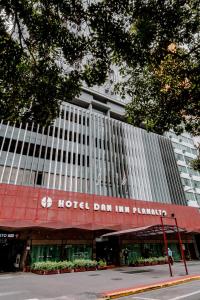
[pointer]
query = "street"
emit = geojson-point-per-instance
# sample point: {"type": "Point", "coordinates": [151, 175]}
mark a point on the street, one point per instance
{"type": "Point", "coordinates": [186, 291]}
{"type": "Point", "coordinates": [92, 284]}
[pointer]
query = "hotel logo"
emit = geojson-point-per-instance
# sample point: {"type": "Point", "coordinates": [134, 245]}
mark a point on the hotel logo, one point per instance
{"type": "Point", "coordinates": [46, 202]}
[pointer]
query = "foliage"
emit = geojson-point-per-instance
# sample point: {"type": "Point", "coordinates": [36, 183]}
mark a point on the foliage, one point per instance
{"type": "Point", "coordinates": [91, 263]}
{"type": "Point", "coordinates": [45, 266]}
{"type": "Point", "coordinates": [51, 265]}
{"type": "Point", "coordinates": [165, 98]}
{"type": "Point", "coordinates": [83, 263]}
{"type": "Point", "coordinates": [164, 88]}
{"type": "Point", "coordinates": [102, 263]}
{"type": "Point", "coordinates": [195, 163]}
{"type": "Point", "coordinates": [49, 48]}
{"type": "Point", "coordinates": [150, 260]}
{"type": "Point", "coordinates": [65, 265]}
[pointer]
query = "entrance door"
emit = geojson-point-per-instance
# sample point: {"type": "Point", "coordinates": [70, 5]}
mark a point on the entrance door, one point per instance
{"type": "Point", "coordinates": [10, 253]}
{"type": "Point", "coordinates": [108, 251]}
{"type": "Point", "coordinates": [191, 254]}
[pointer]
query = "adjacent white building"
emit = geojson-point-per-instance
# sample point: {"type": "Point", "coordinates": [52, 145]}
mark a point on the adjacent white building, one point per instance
{"type": "Point", "coordinates": [185, 151]}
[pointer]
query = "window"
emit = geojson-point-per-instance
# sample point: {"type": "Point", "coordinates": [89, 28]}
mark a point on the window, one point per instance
{"type": "Point", "coordinates": [179, 156]}
{"type": "Point", "coordinates": [190, 196]}
{"type": "Point", "coordinates": [194, 151]}
{"type": "Point", "coordinates": [182, 169]}
{"type": "Point", "coordinates": [38, 180]}
{"type": "Point", "coordinates": [197, 184]}
{"type": "Point", "coordinates": [185, 181]}
{"type": "Point", "coordinates": [188, 160]}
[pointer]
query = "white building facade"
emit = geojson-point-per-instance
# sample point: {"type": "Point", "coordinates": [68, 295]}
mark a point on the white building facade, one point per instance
{"type": "Point", "coordinates": [90, 150]}
{"type": "Point", "coordinates": [185, 151]}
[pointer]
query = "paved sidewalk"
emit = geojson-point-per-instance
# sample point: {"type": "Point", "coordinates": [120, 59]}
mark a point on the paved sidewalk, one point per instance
{"type": "Point", "coordinates": [155, 277]}
{"type": "Point", "coordinates": [93, 285]}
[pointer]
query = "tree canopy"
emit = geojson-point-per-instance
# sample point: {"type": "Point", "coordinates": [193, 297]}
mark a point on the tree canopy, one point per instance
{"type": "Point", "coordinates": [49, 48]}
{"type": "Point", "coordinates": [164, 88]}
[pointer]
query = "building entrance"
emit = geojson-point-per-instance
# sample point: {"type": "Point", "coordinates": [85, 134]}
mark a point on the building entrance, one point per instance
{"type": "Point", "coordinates": [108, 250]}
{"type": "Point", "coordinates": [11, 251]}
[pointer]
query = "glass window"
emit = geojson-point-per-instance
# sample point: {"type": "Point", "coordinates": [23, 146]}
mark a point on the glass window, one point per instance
{"type": "Point", "coordinates": [45, 253]}
{"type": "Point", "coordinates": [186, 181]}
{"type": "Point", "coordinates": [188, 159]}
{"type": "Point", "coordinates": [179, 156]}
{"type": "Point", "coordinates": [197, 184]}
{"type": "Point", "coordinates": [193, 172]}
{"type": "Point", "coordinates": [190, 196]}
{"type": "Point", "coordinates": [182, 169]}
{"type": "Point", "coordinates": [72, 252]}
{"type": "Point", "coordinates": [194, 151]}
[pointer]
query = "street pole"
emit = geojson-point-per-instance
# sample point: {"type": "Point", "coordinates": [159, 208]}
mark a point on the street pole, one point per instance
{"type": "Point", "coordinates": [166, 246]}
{"type": "Point", "coordinates": [181, 247]}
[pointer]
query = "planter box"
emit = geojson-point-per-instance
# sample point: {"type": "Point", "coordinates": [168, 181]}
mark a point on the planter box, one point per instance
{"type": "Point", "coordinates": [66, 271]}
{"type": "Point", "coordinates": [38, 272]}
{"type": "Point", "coordinates": [27, 269]}
{"type": "Point", "coordinates": [42, 272]}
{"type": "Point", "coordinates": [53, 272]}
{"type": "Point", "coordinates": [110, 267]}
{"type": "Point", "coordinates": [81, 269]}
{"type": "Point", "coordinates": [91, 268]}
{"type": "Point", "coordinates": [102, 268]}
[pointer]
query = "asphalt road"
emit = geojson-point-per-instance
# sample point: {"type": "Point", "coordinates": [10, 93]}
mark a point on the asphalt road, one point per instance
{"type": "Point", "coordinates": [90, 285]}
{"type": "Point", "coordinates": [187, 291]}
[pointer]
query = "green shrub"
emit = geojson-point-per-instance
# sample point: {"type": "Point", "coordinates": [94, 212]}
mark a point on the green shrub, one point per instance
{"type": "Point", "coordinates": [60, 265]}
{"type": "Point", "coordinates": [142, 260]}
{"type": "Point", "coordinates": [79, 263]}
{"type": "Point", "coordinates": [45, 266]}
{"type": "Point", "coordinates": [83, 263]}
{"type": "Point", "coordinates": [90, 263]}
{"type": "Point", "coordinates": [162, 258]}
{"type": "Point", "coordinates": [65, 265]}
{"type": "Point", "coordinates": [102, 263]}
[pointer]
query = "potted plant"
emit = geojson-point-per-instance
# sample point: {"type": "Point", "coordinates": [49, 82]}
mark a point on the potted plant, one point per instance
{"type": "Point", "coordinates": [79, 265]}
{"type": "Point", "coordinates": [101, 265]}
{"type": "Point", "coordinates": [45, 268]}
{"type": "Point", "coordinates": [141, 262]}
{"type": "Point", "coordinates": [37, 268]}
{"type": "Point", "coordinates": [91, 265]}
{"type": "Point", "coordinates": [65, 266]}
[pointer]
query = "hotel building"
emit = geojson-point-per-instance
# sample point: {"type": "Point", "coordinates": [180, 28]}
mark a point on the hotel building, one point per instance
{"type": "Point", "coordinates": [64, 187]}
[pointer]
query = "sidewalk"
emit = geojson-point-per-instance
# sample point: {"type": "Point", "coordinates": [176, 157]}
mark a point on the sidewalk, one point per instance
{"type": "Point", "coordinates": [155, 277]}
{"type": "Point", "coordinates": [93, 285]}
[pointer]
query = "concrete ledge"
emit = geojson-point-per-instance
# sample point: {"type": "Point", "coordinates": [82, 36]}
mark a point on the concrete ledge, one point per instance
{"type": "Point", "coordinates": [140, 289]}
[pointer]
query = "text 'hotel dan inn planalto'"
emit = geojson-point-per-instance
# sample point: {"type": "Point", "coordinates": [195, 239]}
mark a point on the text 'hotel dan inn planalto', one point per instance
{"type": "Point", "coordinates": [89, 186]}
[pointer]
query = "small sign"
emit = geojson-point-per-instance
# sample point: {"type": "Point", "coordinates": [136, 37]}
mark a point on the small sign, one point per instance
{"type": "Point", "coordinates": [8, 235]}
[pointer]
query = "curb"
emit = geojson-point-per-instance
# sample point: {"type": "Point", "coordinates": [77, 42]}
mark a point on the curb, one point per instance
{"type": "Point", "coordinates": [141, 289]}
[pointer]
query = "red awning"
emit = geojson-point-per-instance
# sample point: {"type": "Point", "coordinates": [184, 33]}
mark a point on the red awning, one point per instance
{"type": "Point", "coordinates": [23, 224]}
{"type": "Point", "coordinates": [146, 230]}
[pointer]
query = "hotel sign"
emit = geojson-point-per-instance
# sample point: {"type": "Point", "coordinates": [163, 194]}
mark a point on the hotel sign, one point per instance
{"type": "Point", "coordinates": [47, 202]}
